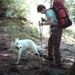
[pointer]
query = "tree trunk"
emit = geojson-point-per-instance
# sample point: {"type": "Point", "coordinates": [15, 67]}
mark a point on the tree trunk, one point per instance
{"type": "Point", "coordinates": [71, 71]}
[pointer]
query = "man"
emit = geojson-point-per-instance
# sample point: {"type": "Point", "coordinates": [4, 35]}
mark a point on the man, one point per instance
{"type": "Point", "coordinates": [55, 36]}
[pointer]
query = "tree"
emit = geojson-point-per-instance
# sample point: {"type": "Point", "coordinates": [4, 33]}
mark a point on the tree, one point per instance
{"type": "Point", "coordinates": [71, 71]}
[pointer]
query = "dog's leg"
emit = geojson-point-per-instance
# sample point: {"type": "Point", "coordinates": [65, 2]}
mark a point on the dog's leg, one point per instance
{"type": "Point", "coordinates": [26, 55]}
{"type": "Point", "coordinates": [19, 56]}
{"type": "Point", "coordinates": [38, 54]}
{"type": "Point", "coordinates": [14, 56]}
{"type": "Point", "coordinates": [36, 51]}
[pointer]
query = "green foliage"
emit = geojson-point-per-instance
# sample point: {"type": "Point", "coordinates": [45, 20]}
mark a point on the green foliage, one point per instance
{"type": "Point", "coordinates": [20, 6]}
{"type": "Point", "coordinates": [14, 29]}
{"type": "Point", "coordinates": [69, 36]}
{"type": "Point", "coordinates": [70, 6]}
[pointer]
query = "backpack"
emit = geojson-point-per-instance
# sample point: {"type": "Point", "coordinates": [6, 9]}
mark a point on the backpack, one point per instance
{"type": "Point", "coordinates": [61, 14]}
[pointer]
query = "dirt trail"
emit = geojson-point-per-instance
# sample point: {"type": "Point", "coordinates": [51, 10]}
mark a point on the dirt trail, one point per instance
{"type": "Point", "coordinates": [33, 65]}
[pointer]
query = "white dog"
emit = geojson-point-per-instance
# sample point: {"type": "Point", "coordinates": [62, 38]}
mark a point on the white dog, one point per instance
{"type": "Point", "coordinates": [19, 46]}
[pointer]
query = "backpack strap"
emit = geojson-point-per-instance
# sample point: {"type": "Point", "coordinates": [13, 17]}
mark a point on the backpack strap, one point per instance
{"type": "Point", "coordinates": [51, 8]}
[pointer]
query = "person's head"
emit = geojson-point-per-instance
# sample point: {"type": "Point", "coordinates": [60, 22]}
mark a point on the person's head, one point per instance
{"type": "Point", "coordinates": [41, 9]}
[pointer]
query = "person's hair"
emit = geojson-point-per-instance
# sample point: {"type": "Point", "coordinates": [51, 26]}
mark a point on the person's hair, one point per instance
{"type": "Point", "coordinates": [40, 7]}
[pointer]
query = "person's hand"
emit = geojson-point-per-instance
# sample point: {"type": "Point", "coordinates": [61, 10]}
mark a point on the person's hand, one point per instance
{"type": "Point", "coordinates": [40, 24]}
{"type": "Point", "coordinates": [42, 19]}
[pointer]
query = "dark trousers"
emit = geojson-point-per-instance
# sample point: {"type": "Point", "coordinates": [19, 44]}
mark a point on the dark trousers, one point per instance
{"type": "Point", "coordinates": [54, 45]}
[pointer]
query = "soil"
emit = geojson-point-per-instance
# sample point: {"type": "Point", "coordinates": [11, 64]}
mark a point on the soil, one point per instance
{"type": "Point", "coordinates": [33, 65]}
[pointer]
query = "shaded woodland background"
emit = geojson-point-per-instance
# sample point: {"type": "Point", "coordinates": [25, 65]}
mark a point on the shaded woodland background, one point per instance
{"type": "Point", "coordinates": [19, 18]}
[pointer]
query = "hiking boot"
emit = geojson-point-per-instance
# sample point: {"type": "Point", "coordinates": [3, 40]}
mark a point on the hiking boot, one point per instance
{"type": "Point", "coordinates": [56, 65]}
{"type": "Point", "coordinates": [48, 58]}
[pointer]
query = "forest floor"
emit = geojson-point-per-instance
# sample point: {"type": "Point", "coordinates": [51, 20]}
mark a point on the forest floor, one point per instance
{"type": "Point", "coordinates": [33, 65]}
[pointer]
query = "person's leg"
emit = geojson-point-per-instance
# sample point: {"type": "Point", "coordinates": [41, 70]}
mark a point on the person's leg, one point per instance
{"type": "Point", "coordinates": [50, 49]}
{"type": "Point", "coordinates": [56, 42]}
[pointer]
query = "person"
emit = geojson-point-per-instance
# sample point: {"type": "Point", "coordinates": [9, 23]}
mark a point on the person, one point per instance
{"type": "Point", "coordinates": [55, 35]}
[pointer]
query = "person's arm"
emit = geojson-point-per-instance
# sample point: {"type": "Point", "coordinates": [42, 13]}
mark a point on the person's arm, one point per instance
{"type": "Point", "coordinates": [43, 20]}
{"type": "Point", "coordinates": [50, 21]}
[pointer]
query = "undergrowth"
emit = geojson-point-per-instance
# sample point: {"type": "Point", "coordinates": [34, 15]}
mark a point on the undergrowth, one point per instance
{"type": "Point", "coordinates": [14, 29]}
{"type": "Point", "coordinates": [69, 35]}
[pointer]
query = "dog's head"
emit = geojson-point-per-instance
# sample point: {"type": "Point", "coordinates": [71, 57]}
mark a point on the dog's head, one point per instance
{"type": "Point", "coordinates": [16, 43]}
